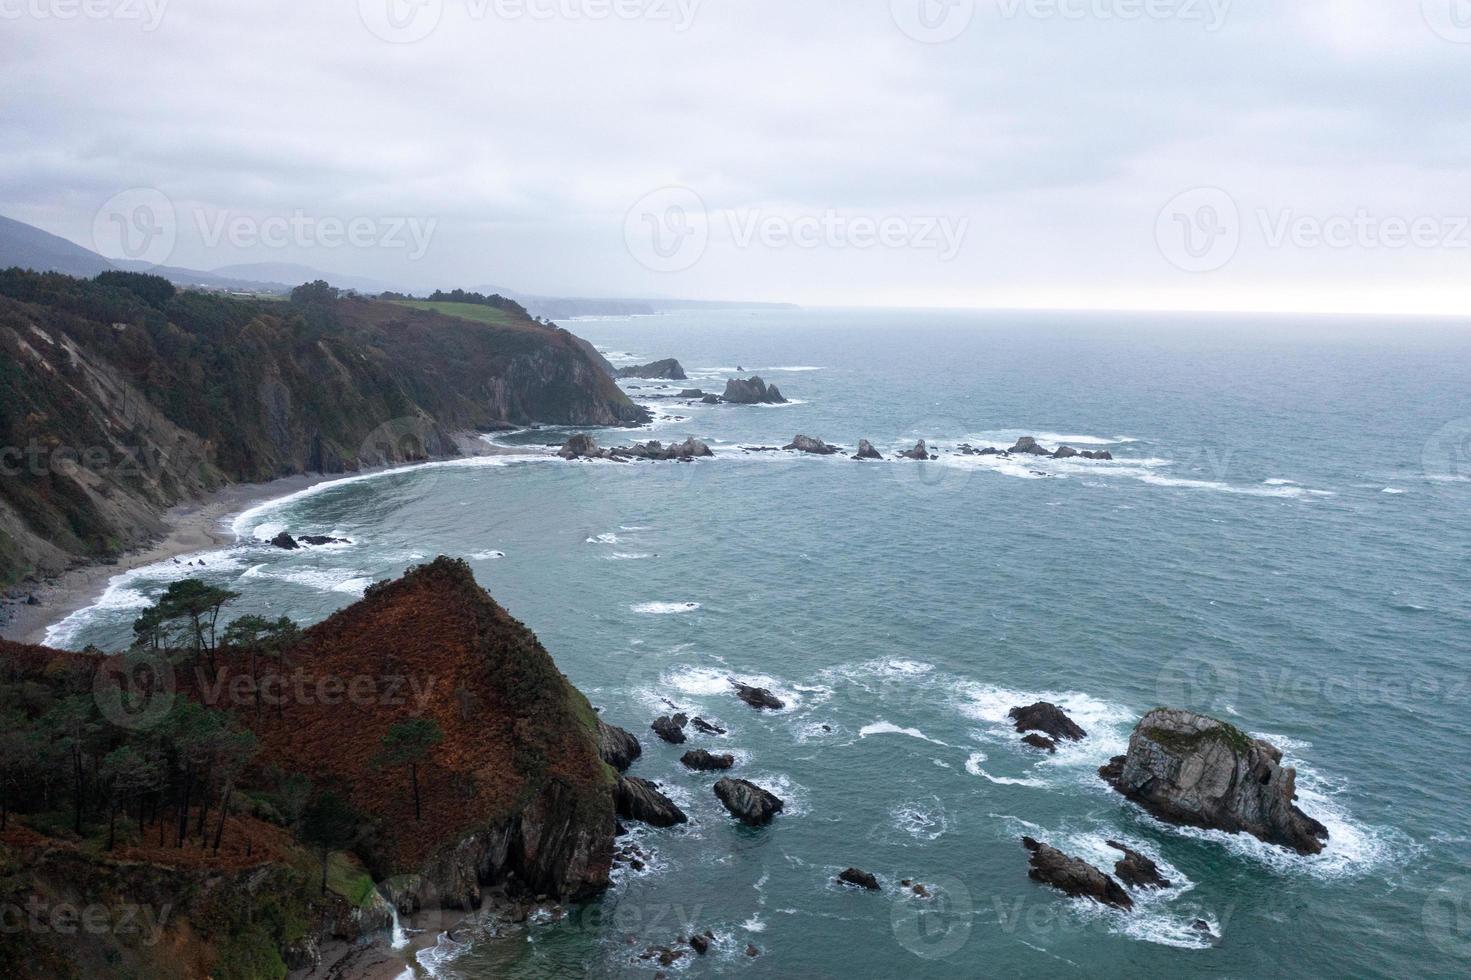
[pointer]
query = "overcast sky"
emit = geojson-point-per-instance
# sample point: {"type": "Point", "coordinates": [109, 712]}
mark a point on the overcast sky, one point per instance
{"type": "Point", "coordinates": [1294, 154]}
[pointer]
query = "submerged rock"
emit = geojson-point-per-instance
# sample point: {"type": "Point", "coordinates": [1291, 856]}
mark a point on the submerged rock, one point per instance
{"type": "Point", "coordinates": [807, 444]}
{"type": "Point", "coordinates": [1190, 769]}
{"type": "Point", "coordinates": [747, 802]}
{"type": "Point", "coordinates": [1049, 718]}
{"type": "Point", "coordinates": [860, 879]}
{"type": "Point", "coordinates": [315, 540]}
{"type": "Point", "coordinates": [668, 368]}
{"type": "Point", "coordinates": [758, 697]}
{"type": "Point", "coordinates": [702, 761]}
{"type": "Point", "coordinates": [752, 392]}
{"type": "Point", "coordinates": [1097, 454]}
{"type": "Point", "coordinates": [285, 541]}
{"type": "Point", "coordinates": [617, 747]}
{"type": "Point", "coordinates": [639, 799]}
{"type": "Point", "coordinates": [1137, 870]}
{"type": "Point", "coordinates": [866, 451]}
{"type": "Point", "coordinates": [1073, 876]}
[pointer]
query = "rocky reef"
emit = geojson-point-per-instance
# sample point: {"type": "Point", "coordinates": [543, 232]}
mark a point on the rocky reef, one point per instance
{"type": "Point", "coordinates": [1190, 769]}
{"type": "Point", "coordinates": [747, 802]}
{"type": "Point", "coordinates": [583, 446]}
{"type": "Point", "coordinates": [1074, 876]}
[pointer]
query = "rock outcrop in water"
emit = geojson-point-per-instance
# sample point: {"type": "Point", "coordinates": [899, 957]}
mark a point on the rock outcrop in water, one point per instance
{"type": "Point", "coordinates": [1190, 769]}
{"type": "Point", "coordinates": [920, 452]}
{"type": "Point", "coordinates": [639, 799]}
{"type": "Point", "coordinates": [859, 879]}
{"type": "Point", "coordinates": [1136, 870]}
{"type": "Point", "coordinates": [866, 451]}
{"type": "Point", "coordinates": [807, 444]}
{"type": "Point", "coordinates": [1027, 446]}
{"type": "Point", "coordinates": [752, 391]}
{"type": "Point", "coordinates": [583, 446]}
{"type": "Point", "coordinates": [1074, 876]}
{"type": "Point", "coordinates": [1047, 718]}
{"type": "Point", "coordinates": [670, 729]}
{"type": "Point", "coordinates": [747, 802]}
{"type": "Point", "coordinates": [758, 697]}
{"type": "Point", "coordinates": [702, 761]}
{"type": "Point", "coordinates": [667, 369]}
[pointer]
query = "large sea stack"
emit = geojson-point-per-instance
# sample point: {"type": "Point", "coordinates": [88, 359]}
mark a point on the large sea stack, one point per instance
{"type": "Point", "coordinates": [1189, 769]}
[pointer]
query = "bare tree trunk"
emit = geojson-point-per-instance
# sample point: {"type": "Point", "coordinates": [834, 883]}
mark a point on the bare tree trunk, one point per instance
{"type": "Point", "coordinates": [224, 809]}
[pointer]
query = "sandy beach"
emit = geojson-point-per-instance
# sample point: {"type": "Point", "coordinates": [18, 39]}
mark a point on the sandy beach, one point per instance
{"type": "Point", "coordinates": [194, 526]}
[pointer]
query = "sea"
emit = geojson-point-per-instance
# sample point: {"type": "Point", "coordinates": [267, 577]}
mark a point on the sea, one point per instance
{"type": "Point", "coordinates": [1282, 540]}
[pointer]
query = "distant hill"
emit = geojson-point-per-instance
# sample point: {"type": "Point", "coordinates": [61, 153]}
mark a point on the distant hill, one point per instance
{"type": "Point", "coordinates": [29, 247]}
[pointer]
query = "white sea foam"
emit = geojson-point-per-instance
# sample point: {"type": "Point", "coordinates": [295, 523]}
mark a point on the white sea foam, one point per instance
{"type": "Point", "coordinates": [487, 555]}
{"type": "Point", "coordinates": [608, 538]}
{"type": "Point", "coordinates": [627, 556]}
{"type": "Point", "coordinates": [1393, 490]}
{"type": "Point", "coordinates": [888, 728]}
{"type": "Point", "coordinates": [973, 766]}
{"type": "Point", "coordinates": [922, 819]}
{"type": "Point", "coordinates": [664, 608]}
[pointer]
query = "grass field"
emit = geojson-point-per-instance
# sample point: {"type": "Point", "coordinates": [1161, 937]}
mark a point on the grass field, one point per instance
{"type": "Point", "coordinates": [466, 311]}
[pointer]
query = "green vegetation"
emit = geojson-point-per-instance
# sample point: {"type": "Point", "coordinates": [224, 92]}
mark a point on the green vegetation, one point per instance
{"type": "Point", "coordinates": [464, 311]}
{"type": "Point", "coordinates": [1238, 741]}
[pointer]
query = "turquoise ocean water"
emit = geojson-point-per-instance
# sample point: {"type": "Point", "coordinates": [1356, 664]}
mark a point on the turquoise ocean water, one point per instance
{"type": "Point", "coordinates": [1282, 540]}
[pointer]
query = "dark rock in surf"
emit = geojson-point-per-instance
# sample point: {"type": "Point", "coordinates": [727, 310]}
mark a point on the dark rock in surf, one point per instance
{"type": "Point", "coordinates": [920, 452]}
{"type": "Point", "coordinates": [1137, 870]}
{"type": "Point", "coordinates": [1074, 877]}
{"type": "Point", "coordinates": [859, 879]}
{"type": "Point", "coordinates": [639, 799]}
{"type": "Point", "coordinates": [1026, 445]}
{"type": "Point", "coordinates": [689, 449]}
{"type": "Point", "coordinates": [285, 542]}
{"type": "Point", "coordinates": [617, 747]}
{"type": "Point", "coordinates": [866, 451]}
{"type": "Point", "coordinates": [316, 541]}
{"type": "Point", "coordinates": [1097, 454]}
{"type": "Point", "coordinates": [580, 446]}
{"type": "Point", "coordinates": [669, 730]}
{"type": "Point", "coordinates": [668, 368]}
{"type": "Point", "coordinates": [1066, 452]}
{"type": "Point", "coordinates": [807, 444]}
{"type": "Point", "coordinates": [752, 392]}
{"type": "Point", "coordinates": [700, 942]}
{"type": "Point", "coordinates": [1040, 742]}
{"type": "Point", "coordinates": [1047, 718]}
{"type": "Point", "coordinates": [702, 761]}
{"type": "Point", "coordinates": [758, 697]}
{"type": "Point", "coordinates": [1190, 769]}
{"type": "Point", "coordinates": [747, 802]}
{"type": "Point", "coordinates": [704, 726]}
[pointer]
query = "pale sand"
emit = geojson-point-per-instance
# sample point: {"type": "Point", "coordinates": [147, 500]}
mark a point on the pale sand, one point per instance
{"type": "Point", "coordinates": [200, 525]}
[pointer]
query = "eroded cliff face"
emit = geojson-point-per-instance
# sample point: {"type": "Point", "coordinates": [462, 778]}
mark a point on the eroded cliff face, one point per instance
{"type": "Point", "coordinates": [116, 403]}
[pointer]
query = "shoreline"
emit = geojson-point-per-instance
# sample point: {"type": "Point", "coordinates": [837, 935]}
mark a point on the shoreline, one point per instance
{"type": "Point", "coordinates": [193, 526]}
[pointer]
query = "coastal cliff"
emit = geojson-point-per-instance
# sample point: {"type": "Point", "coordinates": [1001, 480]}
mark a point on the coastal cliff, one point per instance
{"type": "Point", "coordinates": [121, 396]}
{"type": "Point", "coordinates": [244, 869]}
